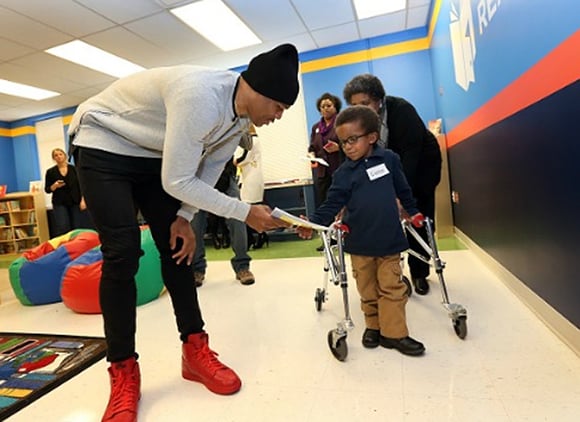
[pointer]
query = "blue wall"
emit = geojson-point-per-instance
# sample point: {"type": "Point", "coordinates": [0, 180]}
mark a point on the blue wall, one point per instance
{"type": "Point", "coordinates": [516, 174]}
{"type": "Point", "coordinates": [7, 167]}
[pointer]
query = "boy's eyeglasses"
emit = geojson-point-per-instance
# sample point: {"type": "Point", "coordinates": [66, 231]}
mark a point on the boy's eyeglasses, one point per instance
{"type": "Point", "coordinates": [352, 139]}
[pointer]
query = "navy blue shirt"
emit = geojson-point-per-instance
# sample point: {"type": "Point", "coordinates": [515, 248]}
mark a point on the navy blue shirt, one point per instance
{"type": "Point", "coordinates": [371, 212]}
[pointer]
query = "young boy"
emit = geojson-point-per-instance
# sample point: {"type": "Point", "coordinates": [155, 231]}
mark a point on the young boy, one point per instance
{"type": "Point", "coordinates": [368, 184]}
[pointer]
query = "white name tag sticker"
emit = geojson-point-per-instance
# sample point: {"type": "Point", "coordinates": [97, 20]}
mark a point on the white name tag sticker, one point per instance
{"type": "Point", "coordinates": [377, 171]}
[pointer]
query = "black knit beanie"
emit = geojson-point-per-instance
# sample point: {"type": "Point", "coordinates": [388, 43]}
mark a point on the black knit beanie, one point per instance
{"type": "Point", "coordinates": [274, 74]}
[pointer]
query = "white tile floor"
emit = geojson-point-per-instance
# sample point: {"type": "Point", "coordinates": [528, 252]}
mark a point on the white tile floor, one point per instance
{"type": "Point", "coordinates": [509, 368]}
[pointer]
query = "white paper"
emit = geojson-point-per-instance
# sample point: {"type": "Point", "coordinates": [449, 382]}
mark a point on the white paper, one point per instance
{"type": "Point", "coordinates": [316, 160]}
{"type": "Point", "coordinates": [296, 221]}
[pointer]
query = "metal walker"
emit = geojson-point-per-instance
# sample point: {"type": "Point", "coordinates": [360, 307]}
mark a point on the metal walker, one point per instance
{"type": "Point", "coordinates": [335, 270]}
{"type": "Point", "coordinates": [455, 311]}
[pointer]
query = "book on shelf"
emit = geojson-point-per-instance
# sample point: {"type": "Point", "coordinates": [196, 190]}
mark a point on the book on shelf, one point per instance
{"type": "Point", "coordinates": [4, 206]}
{"type": "Point", "coordinates": [14, 205]}
{"type": "Point", "coordinates": [2, 221]}
{"type": "Point", "coordinates": [32, 217]}
{"type": "Point", "coordinates": [20, 233]}
{"type": "Point", "coordinates": [6, 234]}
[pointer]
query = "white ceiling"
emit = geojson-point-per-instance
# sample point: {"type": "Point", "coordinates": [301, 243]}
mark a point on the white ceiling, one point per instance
{"type": "Point", "coordinates": [144, 32]}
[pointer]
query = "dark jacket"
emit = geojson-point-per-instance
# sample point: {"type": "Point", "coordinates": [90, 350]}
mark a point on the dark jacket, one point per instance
{"type": "Point", "coordinates": [416, 145]}
{"type": "Point", "coordinates": [70, 193]}
{"type": "Point", "coordinates": [371, 213]}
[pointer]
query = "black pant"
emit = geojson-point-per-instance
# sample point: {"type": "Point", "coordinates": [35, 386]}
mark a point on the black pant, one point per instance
{"type": "Point", "coordinates": [115, 187]}
{"type": "Point", "coordinates": [424, 191]}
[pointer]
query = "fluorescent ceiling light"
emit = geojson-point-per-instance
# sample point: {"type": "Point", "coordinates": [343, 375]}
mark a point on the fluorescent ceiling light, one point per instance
{"type": "Point", "coordinates": [25, 91]}
{"type": "Point", "coordinates": [80, 52]}
{"type": "Point", "coordinates": [217, 23]}
{"type": "Point", "coordinates": [371, 8]}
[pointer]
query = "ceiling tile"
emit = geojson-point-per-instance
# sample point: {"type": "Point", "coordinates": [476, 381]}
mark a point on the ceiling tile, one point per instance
{"type": "Point", "coordinates": [57, 68]}
{"type": "Point", "coordinates": [169, 33]}
{"type": "Point", "coordinates": [385, 24]}
{"type": "Point", "coordinates": [65, 15]}
{"type": "Point", "coordinates": [10, 50]}
{"type": "Point", "coordinates": [270, 20]}
{"type": "Point", "coordinates": [121, 11]}
{"type": "Point", "coordinates": [324, 13]}
{"type": "Point", "coordinates": [417, 17]}
{"type": "Point", "coordinates": [335, 35]}
{"type": "Point", "coordinates": [26, 31]}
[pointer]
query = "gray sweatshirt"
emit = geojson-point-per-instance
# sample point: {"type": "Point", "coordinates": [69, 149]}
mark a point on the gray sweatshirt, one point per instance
{"type": "Point", "coordinates": [183, 115]}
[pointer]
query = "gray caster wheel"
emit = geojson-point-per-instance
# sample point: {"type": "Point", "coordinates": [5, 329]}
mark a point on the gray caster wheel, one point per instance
{"type": "Point", "coordinates": [319, 298]}
{"type": "Point", "coordinates": [460, 326]}
{"type": "Point", "coordinates": [340, 349]}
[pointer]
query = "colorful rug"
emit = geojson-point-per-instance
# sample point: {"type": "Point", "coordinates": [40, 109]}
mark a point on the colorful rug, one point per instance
{"type": "Point", "coordinates": [31, 365]}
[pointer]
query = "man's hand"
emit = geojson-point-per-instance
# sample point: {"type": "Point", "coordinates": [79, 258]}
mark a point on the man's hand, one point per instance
{"type": "Point", "coordinates": [259, 219]}
{"type": "Point", "coordinates": [304, 232]}
{"type": "Point", "coordinates": [181, 229]}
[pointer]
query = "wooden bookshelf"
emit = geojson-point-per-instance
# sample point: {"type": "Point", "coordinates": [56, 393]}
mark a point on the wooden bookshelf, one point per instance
{"type": "Point", "coordinates": [23, 222]}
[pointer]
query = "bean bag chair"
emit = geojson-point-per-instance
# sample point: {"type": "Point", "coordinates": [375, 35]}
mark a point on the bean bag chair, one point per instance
{"type": "Point", "coordinates": [81, 278]}
{"type": "Point", "coordinates": [36, 275]}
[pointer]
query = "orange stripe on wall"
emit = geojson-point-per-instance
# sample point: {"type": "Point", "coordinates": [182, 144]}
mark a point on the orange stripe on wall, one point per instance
{"type": "Point", "coordinates": [559, 68]}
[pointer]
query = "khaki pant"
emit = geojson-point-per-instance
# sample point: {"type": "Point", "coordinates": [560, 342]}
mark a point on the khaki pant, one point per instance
{"type": "Point", "coordinates": [382, 292]}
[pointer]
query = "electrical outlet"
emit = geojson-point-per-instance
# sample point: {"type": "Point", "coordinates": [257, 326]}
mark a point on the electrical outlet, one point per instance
{"type": "Point", "coordinates": [455, 197]}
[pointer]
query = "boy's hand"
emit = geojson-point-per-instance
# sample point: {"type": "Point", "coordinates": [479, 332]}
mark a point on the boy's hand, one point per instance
{"type": "Point", "coordinates": [417, 220]}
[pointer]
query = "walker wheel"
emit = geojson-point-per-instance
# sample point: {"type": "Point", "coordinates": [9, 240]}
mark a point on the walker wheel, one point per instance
{"type": "Point", "coordinates": [319, 298]}
{"type": "Point", "coordinates": [340, 351]}
{"type": "Point", "coordinates": [460, 326]}
{"type": "Point", "coordinates": [409, 291]}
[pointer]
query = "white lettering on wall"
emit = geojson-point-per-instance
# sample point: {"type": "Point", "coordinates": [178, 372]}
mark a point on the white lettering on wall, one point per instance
{"type": "Point", "coordinates": [485, 12]}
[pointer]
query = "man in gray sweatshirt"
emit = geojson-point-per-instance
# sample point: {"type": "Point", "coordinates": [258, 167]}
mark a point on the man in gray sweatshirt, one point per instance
{"type": "Point", "coordinates": [156, 142]}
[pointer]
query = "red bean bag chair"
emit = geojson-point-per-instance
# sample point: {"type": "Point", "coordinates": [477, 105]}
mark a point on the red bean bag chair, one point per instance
{"type": "Point", "coordinates": [82, 277]}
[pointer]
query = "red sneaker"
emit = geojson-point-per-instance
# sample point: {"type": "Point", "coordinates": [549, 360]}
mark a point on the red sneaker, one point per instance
{"type": "Point", "coordinates": [125, 391]}
{"type": "Point", "coordinates": [199, 363]}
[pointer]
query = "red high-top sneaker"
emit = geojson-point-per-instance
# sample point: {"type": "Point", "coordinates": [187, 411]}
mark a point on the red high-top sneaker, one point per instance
{"type": "Point", "coordinates": [125, 391]}
{"type": "Point", "coordinates": [199, 363]}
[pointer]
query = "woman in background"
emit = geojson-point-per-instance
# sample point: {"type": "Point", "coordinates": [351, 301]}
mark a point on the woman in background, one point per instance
{"type": "Point", "coordinates": [324, 144]}
{"type": "Point", "coordinates": [67, 203]}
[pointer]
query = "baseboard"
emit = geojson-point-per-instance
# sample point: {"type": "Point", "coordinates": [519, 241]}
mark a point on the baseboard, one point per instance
{"type": "Point", "coordinates": [564, 329]}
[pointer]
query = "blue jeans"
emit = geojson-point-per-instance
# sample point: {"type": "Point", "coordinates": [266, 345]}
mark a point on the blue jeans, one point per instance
{"type": "Point", "coordinates": [66, 218]}
{"type": "Point", "coordinates": [238, 233]}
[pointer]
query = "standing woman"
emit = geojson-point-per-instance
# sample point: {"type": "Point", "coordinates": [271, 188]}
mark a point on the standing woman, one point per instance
{"type": "Point", "coordinates": [67, 203]}
{"type": "Point", "coordinates": [324, 144]}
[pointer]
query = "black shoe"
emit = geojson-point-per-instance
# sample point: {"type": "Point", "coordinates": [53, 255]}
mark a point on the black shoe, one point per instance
{"type": "Point", "coordinates": [405, 345]}
{"type": "Point", "coordinates": [370, 338]}
{"type": "Point", "coordinates": [217, 242]}
{"type": "Point", "coordinates": [421, 285]}
{"type": "Point", "coordinates": [262, 240]}
{"type": "Point", "coordinates": [198, 277]}
{"type": "Point", "coordinates": [320, 248]}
